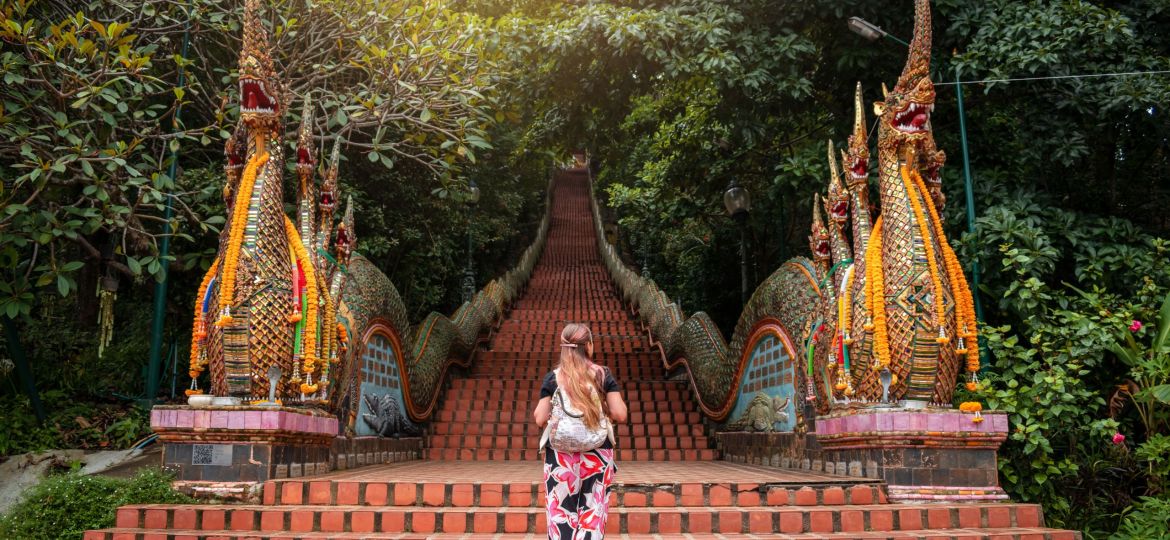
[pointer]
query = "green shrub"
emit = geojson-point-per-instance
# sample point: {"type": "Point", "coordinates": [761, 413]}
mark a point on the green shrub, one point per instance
{"type": "Point", "coordinates": [71, 423]}
{"type": "Point", "coordinates": [1147, 520]}
{"type": "Point", "coordinates": [64, 506]}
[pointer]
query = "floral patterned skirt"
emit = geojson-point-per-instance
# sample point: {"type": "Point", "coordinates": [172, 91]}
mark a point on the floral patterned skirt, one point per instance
{"type": "Point", "coordinates": [577, 500]}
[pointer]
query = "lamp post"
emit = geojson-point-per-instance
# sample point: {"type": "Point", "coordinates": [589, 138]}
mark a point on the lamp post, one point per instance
{"type": "Point", "coordinates": [154, 364]}
{"type": "Point", "coordinates": [469, 273]}
{"type": "Point", "coordinates": [870, 31]}
{"type": "Point", "coordinates": [738, 203]}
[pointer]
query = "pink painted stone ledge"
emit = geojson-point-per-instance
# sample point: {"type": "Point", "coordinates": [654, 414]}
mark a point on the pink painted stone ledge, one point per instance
{"type": "Point", "coordinates": [242, 418]}
{"type": "Point", "coordinates": [916, 420]}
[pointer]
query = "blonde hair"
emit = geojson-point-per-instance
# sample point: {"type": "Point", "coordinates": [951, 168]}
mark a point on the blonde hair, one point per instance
{"type": "Point", "coordinates": [581, 384]}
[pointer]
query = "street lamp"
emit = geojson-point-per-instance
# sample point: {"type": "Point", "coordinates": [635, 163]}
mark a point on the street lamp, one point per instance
{"type": "Point", "coordinates": [738, 203]}
{"type": "Point", "coordinates": [870, 31]}
{"type": "Point", "coordinates": [469, 274]}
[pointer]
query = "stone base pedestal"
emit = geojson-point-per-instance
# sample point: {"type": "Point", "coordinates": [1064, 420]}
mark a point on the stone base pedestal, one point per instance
{"type": "Point", "coordinates": [922, 454]}
{"type": "Point", "coordinates": [226, 450]}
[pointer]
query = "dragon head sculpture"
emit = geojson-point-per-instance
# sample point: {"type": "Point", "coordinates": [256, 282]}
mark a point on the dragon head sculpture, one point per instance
{"type": "Point", "coordinates": [261, 92]}
{"type": "Point", "coordinates": [930, 162]}
{"type": "Point", "coordinates": [306, 150]}
{"type": "Point", "coordinates": [904, 115]}
{"type": "Point", "coordinates": [838, 206]}
{"type": "Point", "coordinates": [234, 150]}
{"type": "Point", "coordinates": [855, 158]}
{"type": "Point", "coordinates": [328, 196]}
{"type": "Point", "coordinates": [818, 241]}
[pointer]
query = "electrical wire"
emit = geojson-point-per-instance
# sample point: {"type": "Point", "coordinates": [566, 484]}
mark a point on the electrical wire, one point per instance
{"type": "Point", "coordinates": [1057, 77]}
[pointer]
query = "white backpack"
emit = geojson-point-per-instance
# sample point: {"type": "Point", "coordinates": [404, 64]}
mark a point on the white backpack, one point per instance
{"type": "Point", "coordinates": [566, 430]}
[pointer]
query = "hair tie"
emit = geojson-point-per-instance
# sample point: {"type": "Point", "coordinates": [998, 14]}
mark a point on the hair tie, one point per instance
{"type": "Point", "coordinates": [572, 345]}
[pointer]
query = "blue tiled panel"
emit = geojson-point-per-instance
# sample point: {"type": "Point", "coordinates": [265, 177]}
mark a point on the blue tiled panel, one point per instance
{"type": "Point", "coordinates": [770, 369]}
{"type": "Point", "coordinates": [379, 376]}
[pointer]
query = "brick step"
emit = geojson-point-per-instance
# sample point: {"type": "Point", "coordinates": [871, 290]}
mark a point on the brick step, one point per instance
{"type": "Point", "coordinates": [588, 317]}
{"type": "Point", "coordinates": [537, 357]}
{"type": "Point", "coordinates": [645, 520]}
{"type": "Point", "coordinates": [538, 372]}
{"type": "Point", "coordinates": [523, 415]}
{"type": "Point", "coordinates": [529, 429]}
{"type": "Point", "coordinates": [530, 454]}
{"type": "Point", "coordinates": [508, 442]}
{"type": "Point", "coordinates": [532, 384]}
{"type": "Point", "coordinates": [526, 494]}
{"type": "Point", "coordinates": [628, 328]}
{"type": "Point", "coordinates": [1035, 533]}
{"type": "Point", "coordinates": [647, 406]}
{"type": "Point", "coordinates": [527, 394]}
{"type": "Point", "coordinates": [551, 332]}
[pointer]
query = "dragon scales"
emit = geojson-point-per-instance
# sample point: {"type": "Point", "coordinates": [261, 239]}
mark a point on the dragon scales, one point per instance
{"type": "Point", "coordinates": [293, 294]}
{"type": "Point", "coordinates": [914, 332]}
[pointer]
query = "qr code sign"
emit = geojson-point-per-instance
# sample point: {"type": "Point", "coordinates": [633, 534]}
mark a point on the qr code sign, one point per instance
{"type": "Point", "coordinates": [211, 454]}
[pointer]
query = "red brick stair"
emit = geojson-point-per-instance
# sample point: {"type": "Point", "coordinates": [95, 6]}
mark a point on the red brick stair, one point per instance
{"type": "Point", "coordinates": [481, 476]}
{"type": "Point", "coordinates": [425, 499]}
{"type": "Point", "coordinates": [488, 415]}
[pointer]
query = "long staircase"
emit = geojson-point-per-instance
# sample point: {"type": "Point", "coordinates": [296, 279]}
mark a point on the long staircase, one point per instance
{"type": "Point", "coordinates": [481, 476]}
{"type": "Point", "coordinates": [488, 416]}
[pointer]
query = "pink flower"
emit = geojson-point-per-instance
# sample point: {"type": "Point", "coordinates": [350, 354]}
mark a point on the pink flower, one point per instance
{"type": "Point", "coordinates": [1118, 438]}
{"type": "Point", "coordinates": [1135, 325]}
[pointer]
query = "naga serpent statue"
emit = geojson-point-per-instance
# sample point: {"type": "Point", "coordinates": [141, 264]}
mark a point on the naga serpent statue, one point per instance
{"type": "Point", "coordinates": [293, 294]}
{"type": "Point", "coordinates": [883, 316]}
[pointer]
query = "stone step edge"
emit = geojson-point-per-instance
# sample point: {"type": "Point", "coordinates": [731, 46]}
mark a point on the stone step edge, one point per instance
{"type": "Point", "coordinates": [496, 494]}
{"type": "Point", "coordinates": [845, 518]}
{"type": "Point", "coordinates": [1003, 533]}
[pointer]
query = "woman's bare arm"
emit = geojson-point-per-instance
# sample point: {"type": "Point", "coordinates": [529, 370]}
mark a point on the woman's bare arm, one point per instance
{"type": "Point", "coordinates": [617, 407]}
{"type": "Point", "coordinates": [544, 410]}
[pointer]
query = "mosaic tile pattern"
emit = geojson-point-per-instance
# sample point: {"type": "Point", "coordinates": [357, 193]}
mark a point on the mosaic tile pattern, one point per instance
{"type": "Point", "coordinates": [379, 377]}
{"type": "Point", "coordinates": [770, 370]}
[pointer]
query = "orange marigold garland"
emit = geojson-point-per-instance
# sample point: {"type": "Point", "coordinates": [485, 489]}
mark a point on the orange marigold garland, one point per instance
{"type": "Point", "coordinates": [968, 344]}
{"type": "Point", "coordinates": [876, 298]}
{"type": "Point", "coordinates": [309, 345]}
{"type": "Point", "coordinates": [199, 331]}
{"type": "Point", "coordinates": [328, 349]}
{"type": "Point", "coordinates": [227, 291]}
{"type": "Point", "coordinates": [973, 407]}
{"type": "Point", "coordinates": [931, 261]}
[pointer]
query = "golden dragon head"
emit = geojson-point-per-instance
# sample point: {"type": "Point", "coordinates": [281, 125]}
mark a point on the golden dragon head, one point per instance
{"type": "Point", "coordinates": [930, 162]}
{"type": "Point", "coordinates": [838, 206]}
{"type": "Point", "coordinates": [234, 150]}
{"type": "Point", "coordinates": [818, 241]}
{"type": "Point", "coordinates": [328, 195]}
{"type": "Point", "coordinates": [855, 158]}
{"type": "Point", "coordinates": [261, 93]}
{"type": "Point", "coordinates": [905, 113]}
{"type": "Point", "coordinates": [306, 149]}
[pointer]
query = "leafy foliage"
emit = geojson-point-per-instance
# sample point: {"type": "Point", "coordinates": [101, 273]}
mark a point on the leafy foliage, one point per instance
{"type": "Point", "coordinates": [64, 506]}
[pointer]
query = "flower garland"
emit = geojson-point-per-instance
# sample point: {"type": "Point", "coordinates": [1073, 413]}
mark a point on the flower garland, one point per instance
{"type": "Point", "coordinates": [328, 349]}
{"type": "Point", "coordinates": [931, 261]}
{"type": "Point", "coordinates": [845, 311]}
{"type": "Point", "coordinates": [964, 302]}
{"type": "Point", "coordinates": [236, 236]}
{"type": "Point", "coordinates": [875, 285]}
{"type": "Point", "coordinates": [199, 330]}
{"type": "Point", "coordinates": [309, 345]}
{"type": "Point", "coordinates": [845, 381]}
{"type": "Point", "coordinates": [973, 407]}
